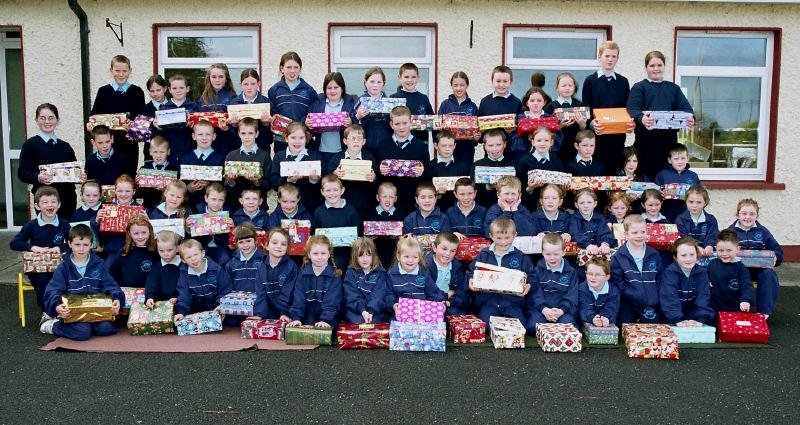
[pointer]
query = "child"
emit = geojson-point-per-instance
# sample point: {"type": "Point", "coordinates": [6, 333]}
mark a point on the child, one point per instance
{"type": "Point", "coordinates": [178, 135]}
{"type": "Point", "coordinates": [555, 296]}
{"type": "Point", "coordinates": [684, 291]}
{"type": "Point", "coordinates": [250, 82]}
{"type": "Point", "coordinates": [501, 101]}
{"type": "Point", "coordinates": [249, 151]}
{"type": "Point", "coordinates": [317, 298]}
{"type": "Point", "coordinates": [376, 126]}
{"type": "Point", "coordinates": [550, 218]}
{"type": "Point", "coordinates": [446, 165]}
{"type": "Point", "coordinates": [582, 164]}
{"type": "Point", "coordinates": [449, 275]}
{"type": "Point", "coordinates": [46, 148]}
{"type": "Point", "coordinates": [532, 104]}
{"type": "Point", "coordinates": [215, 246]}
{"type": "Point", "coordinates": [541, 157]}
{"type": "Point", "coordinates": [289, 206]}
{"type": "Point", "coordinates": [418, 103]}
{"type": "Point", "coordinates": [333, 99]}
{"type": "Point", "coordinates": [244, 267]}
{"type": "Point", "coordinates": [251, 211]}
{"type": "Point", "coordinates": [201, 281]}
{"type": "Point", "coordinates": [120, 97]}
{"type": "Point", "coordinates": [731, 286]}
{"type": "Point", "coordinates": [427, 219]}
{"type": "Point", "coordinates": [566, 87]}
{"type": "Point", "coordinates": [162, 281]}
{"type": "Point", "coordinates": [588, 227]}
{"type": "Point", "coordinates": [218, 92]}
{"type": "Point", "coordinates": [403, 145]}
{"type": "Point", "coordinates": [133, 265]}
{"type": "Point", "coordinates": [677, 172]}
{"type": "Point", "coordinates": [355, 190]}
{"type": "Point", "coordinates": [291, 96]}
{"type": "Point", "coordinates": [652, 200]}
{"type": "Point", "coordinates": [335, 212]}
{"type": "Point", "coordinates": [494, 143]}
{"type": "Point", "coordinates": [509, 205]}
{"type": "Point", "coordinates": [696, 223]}
{"type": "Point", "coordinates": [365, 285]}
{"type": "Point", "coordinates": [81, 273]}
{"type": "Point", "coordinates": [630, 164]}
{"type": "Point", "coordinates": [296, 139]}
{"type": "Point", "coordinates": [598, 300]}
{"type": "Point", "coordinates": [159, 153]}
{"type": "Point", "coordinates": [203, 134]}
{"type": "Point", "coordinates": [45, 233]}
{"type": "Point", "coordinates": [106, 164]}
{"type": "Point", "coordinates": [385, 211]}
{"type": "Point", "coordinates": [90, 203]}
{"type": "Point", "coordinates": [113, 244]}
{"type": "Point", "coordinates": [502, 253]}
{"type": "Point", "coordinates": [753, 235]}
{"type": "Point", "coordinates": [174, 205]}
{"type": "Point", "coordinates": [276, 286]}
{"type": "Point", "coordinates": [459, 103]}
{"type": "Point", "coordinates": [157, 88]}
{"type": "Point", "coordinates": [467, 218]}
{"type": "Point", "coordinates": [636, 272]}
{"type": "Point", "coordinates": [619, 206]}
{"type": "Point", "coordinates": [409, 276]}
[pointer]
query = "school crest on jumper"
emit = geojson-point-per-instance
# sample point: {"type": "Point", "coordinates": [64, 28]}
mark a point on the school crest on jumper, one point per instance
{"type": "Point", "coordinates": [372, 278]}
{"type": "Point", "coordinates": [734, 284]}
{"type": "Point", "coordinates": [58, 238]}
{"type": "Point", "coordinates": [420, 279]}
{"type": "Point", "coordinates": [477, 221]}
{"type": "Point", "coordinates": [651, 266]}
{"type": "Point", "coordinates": [146, 265]}
{"type": "Point", "coordinates": [563, 279]}
{"type": "Point", "coordinates": [282, 278]}
{"type": "Point", "coordinates": [435, 224]}
{"type": "Point", "coordinates": [514, 263]}
{"type": "Point", "coordinates": [94, 273]}
{"type": "Point", "coordinates": [212, 279]}
{"type": "Point", "coordinates": [649, 313]}
{"type": "Point", "coordinates": [758, 236]}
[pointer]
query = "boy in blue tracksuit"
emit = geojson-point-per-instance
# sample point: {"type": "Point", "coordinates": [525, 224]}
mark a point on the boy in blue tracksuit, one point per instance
{"type": "Point", "coordinates": [509, 205]}
{"type": "Point", "coordinates": [277, 278]}
{"type": "Point", "coordinates": [696, 223]}
{"type": "Point", "coordinates": [502, 253]}
{"type": "Point", "coordinates": [317, 297]}
{"type": "Point", "coordinates": [244, 265]}
{"type": "Point", "coordinates": [449, 275]}
{"type": "Point", "coordinates": [216, 246]}
{"type": "Point", "coordinates": [731, 286]}
{"type": "Point", "coordinates": [81, 273]}
{"type": "Point", "coordinates": [251, 211]}
{"type": "Point", "coordinates": [636, 272]}
{"type": "Point", "coordinates": [467, 218]}
{"type": "Point", "coordinates": [598, 300]}
{"type": "Point", "coordinates": [365, 285]}
{"type": "Point", "coordinates": [555, 291]}
{"type": "Point", "coordinates": [427, 219]}
{"type": "Point", "coordinates": [203, 134]}
{"type": "Point", "coordinates": [677, 172]}
{"type": "Point", "coordinates": [409, 277]}
{"type": "Point", "coordinates": [685, 291]}
{"type": "Point", "coordinates": [201, 282]}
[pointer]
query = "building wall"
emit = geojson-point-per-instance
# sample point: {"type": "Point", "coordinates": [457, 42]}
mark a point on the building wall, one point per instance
{"type": "Point", "coordinates": [52, 59]}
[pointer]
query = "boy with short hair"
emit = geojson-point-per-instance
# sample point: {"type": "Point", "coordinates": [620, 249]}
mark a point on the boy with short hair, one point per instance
{"type": "Point", "coordinates": [427, 219]}
{"type": "Point", "coordinates": [248, 152]}
{"type": "Point", "coordinates": [449, 275]}
{"type": "Point", "coordinates": [555, 296]}
{"type": "Point", "coordinates": [677, 172]}
{"type": "Point", "coordinates": [467, 218]}
{"type": "Point", "coordinates": [403, 145]}
{"type": "Point", "coordinates": [203, 134]}
{"type": "Point", "coordinates": [501, 101]}
{"type": "Point", "coordinates": [355, 190]}
{"type": "Point", "coordinates": [509, 205]}
{"type": "Point", "coordinates": [289, 206]}
{"type": "Point", "coordinates": [418, 103]}
{"type": "Point", "coordinates": [215, 246]}
{"type": "Point", "coordinates": [583, 164]}
{"type": "Point", "coordinates": [336, 212]}
{"type": "Point", "coordinates": [106, 164]}
{"type": "Point", "coordinates": [385, 211]}
{"type": "Point", "coordinates": [494, 144]}
{"type": "Point", "coordinates": [731, 286]}
{"type": "Point", "coordinates": [159, 152]}
{"type": "Point", "coordinates": [445, 165]}
{"type": "Point", "coordinates": [251, 211]}
{"type": "Point", "coordinates": [81, 273]}
{"type": "Point", "coordinates": [201, 281]}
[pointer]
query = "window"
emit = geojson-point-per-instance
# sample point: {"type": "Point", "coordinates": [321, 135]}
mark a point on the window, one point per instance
{"type": "Point", "coordinates": [353, 50]}
{"type": "Point", "coordinates": [191, 50]}
{"type": "Point", "coordinates": [551, 51]}
{"type": "Point", "coordinates": [727, 78]}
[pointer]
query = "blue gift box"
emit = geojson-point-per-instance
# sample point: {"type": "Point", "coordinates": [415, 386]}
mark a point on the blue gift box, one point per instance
{"type": "Point", "coordinates": [695, 335]}
{"type": "Point", "coordinates": [417, 336]}
{"type": "Point", "coordinates": [237, 303]}
{"type": "Point", "coordinates": [199, 323]}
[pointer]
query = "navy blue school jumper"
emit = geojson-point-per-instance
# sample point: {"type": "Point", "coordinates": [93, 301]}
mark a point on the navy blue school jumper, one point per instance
{"type": "Point", "coordinates": [201, 293]}
{"type": "Point", "coordinates": [419, 104]}
{"type": "Point", "coordinates": [654, 145]}
{"type": "Point", "coordinates": [132, 270]}
{"type": "Point", "coordinates": [541, 223]}
{"type": "Point", "coordinates": [83, 213]}
{"type": "Point", "coordinates": [218, 102]}
{"type": "Point", "coordinates": [584, 168]}
{"type": "Point", "coordinates": [260, 156]}
{"type": "Point", "coordinates": [522, 219]}
{"type": "Point", "coordinates": [554, 289]}
{"type": "Point", "coordinates": [310, 195]}
{"type": "Point", "coordinates": [594, 231]}
{"type": "Point", "coordinates": [704, 232]}
{"type": "Point", "coordinates": [37, 151]}
{"type": "Point", "coordinates": [162, 281]}
{"type": "Point", "coordinates": [259, 220]}
{"type": "Point", "coordinates": [730, 285]}
{"type": "Point", "coordinates": [275, 288]}
{"type": "Point", "coordinates": [107, 170]}
{"type": "Point", "coordinates": [599, 91]}
{"type": "Point", "coordinates": [411, 149]}
{"type": "Point", "coordinates": [179, 136]}
{"type": "Point", "coordinates": [160, 212]}
{"type": "Point", "coordinates": [567, 150]}
{"type": "Point", "coordinates": [685, 298]}
{"type": "Point", "coordinates": [216, 246]}
{"type": "Point", "coordinates": [359, 194]}
{"type": "Point", "coordinates": [345, 216]}
{"type": "Point", "coordinates": [348, 104]}
{"type": "Point", "coordinates": [365, 292]}
{"type": "Point", "coordinates": [459, 302]}
{"type": "Point", "coordinates": [468, 223]}
{"type": "Point", "coordinates": [604, 304]}
{"type": "Point", "coordinates": [465, 149]}
{"type": "Point", "coordinates": [531, 162]}
{"type": "Point", "coordinates": [317, 298]}
{"type": "Point", "coordinates": [292, 104]}
{"type": "Point", "coordinates": [211, 157]}
{"type": "Point", "coordinates": [376, 128]}
{"type": "Point", "coordinates": [672, 208]}
{"type": "Point", "coordinates": [758, 237]}
{"type": "Point", "coordinates": [111, 100]}
{"type": "Point", "coordinates": [485, 194]}
{"type": "Point", "coordinates": [418, 285]}
{"type": "Point", "coordinates": [452, 168]}
{"type": "Point", "coordinates": [498, 105]}
{"type": "Point", "coordinates": [433, 224]}
{"type": "Point", "coordinates": [151, 196]}
{"type": "Point", "coordinates": [504, 305]}
{"type": "Point", "coordinates": [245, 275]}
{"type": "Point", "coordinates": [521, 145]}
{"type": "Point", "coordinates": [43, 235]}
{"type": "Point", "coordinates": [385, 245]}
{"type": "Point", "coordinates": [264, 139]}
{"type": "Point", "coordinates": [274, 219]}
{"type": "Point", "coordinates": [67, 280]}
{"type": "Point", "coordinates": [638, 288]}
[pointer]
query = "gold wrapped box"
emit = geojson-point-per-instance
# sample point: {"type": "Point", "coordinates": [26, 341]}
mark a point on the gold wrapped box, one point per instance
{"type": "Point", "coordinates": [88, 308]}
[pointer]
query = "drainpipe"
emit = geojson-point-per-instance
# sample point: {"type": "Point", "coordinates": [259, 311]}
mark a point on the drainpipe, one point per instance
{"type": "Point", "coordinates": [83, 20]}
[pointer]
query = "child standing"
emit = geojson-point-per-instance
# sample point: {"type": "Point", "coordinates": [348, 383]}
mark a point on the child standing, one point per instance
{"type": "Point", "coordinates": [250, 82]}
{"type": "Point", "coordinates": [677, 172]}
{"type": "Point", "coordinates": [385, 211]}
{"type": "Point", "coordinates": [376, 126]}
{"type": "Point", "coordinates": [249, 151]}
{"type": "Point", "coordinates": [251, 211]}
{"type": "Point", "coordinates": [409, 276]}
{"type": "Point", "coordinates": [296, 139]}
{"type": "Point", "coordinates": [449, 275]}
{"type": "Point", "coordinates": [467, 218]}
{"type": "Point", "coordinates": [418, 103]}
{"type": "Point", "coordinates": [90, 203]}
{"type": "Point", "coordinates": [276, 286]}
{"type": "Point", "coordinates": [291, 96]}
{"type": "Point", "coordinates": [566, 87]}
{"type": "Point", "coordinates": [218, 92]}
{"type": "Point", "coordinates": [501, 101]}
{"type": "Point", "coordinates": [403, 145]}
{"type": "Point", "coordinates": [174, 204]}
{"type": "Point", "coordinates": [355, 190]}
{"type": "Point", "coordinates": [509, 205]}
{"type": "Point", "coordinates": [204, 135]}
{"type": "Point", "coordinates": [427, 219]}
{"type": "Point", "coordinates": [106, 165]}
{"type": "Point", "coordinates": [532, 104]}
{"type": "Point", "coordinates": [215, 246]}
{"type": "Point", "coordinates": [696, 223]}
{"type": "Point", "coordinates": [731, 286]}
{"type": "Point", "coordinates": [365, 285]}
{"type": "Point", "coordinates": [555, 296]}
{"type": "Point", "coordinates": [159, 153]}
{"type": "Point", "coordinates": [598, 300]}
{"type": "Point", "coordinates": [494, 143]}
{"type": "Point", "coordinates": [178, 135]}
{"type": "Point", "coordinates": [446, 165]}
{"type": "Point", "coordinates": [162, 281]}
{"type": "Point", "coordinates": [317, 298]}
{"type": "Point", "coordinates": [636, 272]}
{"type": "Point", "coordinates": [157, 88]}
{"type": "Point", "coordinates": [459, 103]}
{"type": "Point", "coordinates": [289, 206]}
{"type": "Point", "coordinates": [540, 158]}
{"type": "Point", "coordinates": [333, 99]}
{"type": "Point", "coordinates": [685, 291]}
{"type": "Point", "coordinates": [132, 267]}
{"type": "Point", "coordinates": [201, 281]}
{"type": "Point", "coordinates": [335, 212]}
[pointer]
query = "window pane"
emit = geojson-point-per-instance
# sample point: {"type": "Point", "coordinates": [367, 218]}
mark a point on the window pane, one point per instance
{"type": "Point", "coordinates": [209, 47]}
{"type": "Point", "coordinates": [19, 194]}
{"type": "Point", "coordinates": [383, 46]}
{"type": "Point", "coordinates": [722, 51]}
{"type": "Point", "coordinates": [354, 80]}
{"type": "Point", "coordinates": [727, 114]}
{"type": "Point", "coordinates": [555, 48]}
{"type": "Point", "coordinates": [522, 80]}
{"type": "Point", "coordinates": [196, 77]}
{"type": "Point", "coordinates": [16, 110]}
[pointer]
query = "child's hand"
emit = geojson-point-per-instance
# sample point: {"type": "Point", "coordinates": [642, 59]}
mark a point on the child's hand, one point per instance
{"type": "Point", "coordinates": [395, 307]}
{"type": "Point", "coordinates": [647, 120]}
{"type": "Point", "coordinates": [471, 286]}
{"type": "Point", "coordinates": [557, 313]}
{"type": "Point", "coordinates": [115, 307]}
{"type": "Point", "coordinates": [38, 250]}
{"type": "Point", "coordinates": [383, 169]}
{"type": "Point", "coordinates": [605, 249]}
{"type": "Point", "coordinates": [223, 126]}
{"type": "Point", "coordinates": [229, 222]}
{"type": "Point", "coordinates": [347, 120]}
{"type": "Point", "coordinates": [441, 189]}
{"type": "Point", "coordinates": [606, 322]}
{"type": "Point", "coordinates": [581, 122]}
{"type": "Point", "coordinates": [566, 236]}
{"type": "Point", "coordinates": [62, 311]}
{"type": "Point", "coordinates": [266, 118]}
{"type": "Point", "coordinates": [362, 112]}
{"type": "Point", "coordinates": [285, 319]}
{"type": "Point", "coordinates": [322, 324]}
{"type": "Point", "coordinates": [367, 317]}
{"type": "Point", "coordinates": [514, 206]}
{"type": "Point", "coordinates": [233, 118]}
{"type": "Point", "coordinates": [459, 236]}
{"type": "Point", "coordinates": [308, 122]}
{"type": "Point", "coordinates": [82, 176]}
{"type": "Point", "coordinates": [708, 251]}
{"type": "Point", "coordinates": [541, 235]}
{"type": "Point", "coordinates": [45, 178]}
{"type": "Point", "coordinates": [631, 126]}
{"type": "Point", "coordinates": [178, 317]}
{"type": "Point", "coordinates": [294, 323]}
{"type": "Point", "coordinates": [597, 127]}
{"type": "Point", "coordinates": [593, 249]}
{"type": "Point", "coordinates": [597, 320]}
{"type": "Point", "coordinates": [418, 170]}
{"type": "Point", "coordinates": [526, 287]}
{"type": "Point", "coordinates": [566, 123]}
{"type": "Point", "coordinates": [371, 176]}
{"type": "Point", "coordinates": [691, 122]}
{"type": "Point", "coordinates": [744, 306]}
{"type": "Point", "coordinates": [684, 324]}
{"type": "Point", "coordinates": [339, 172]}
{"type": "Point", "coordinates": [149, 303]}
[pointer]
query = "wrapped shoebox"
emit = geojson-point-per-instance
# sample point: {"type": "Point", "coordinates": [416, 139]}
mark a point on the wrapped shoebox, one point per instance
{"type": "Point", "coordinates": [262, 329]}
{"type": "Point", "coordinates": [425, 242]}
{"type": "Point", "coordinates": [157, 179]}
{"type": "Point", "coordinates": [108, 193]}
{"type": "Point", "coordinates": [308, 335]}
{"type": "Point", "coordinates": [363, 336]}
{"type": "Point", "coordinates": [669, 120]}
{"type": "Point", "coordinates": [448, 183]}
{"type": "Point", "coordinates": [208, 224]}
{"type": "Point", "coordinates": [355, 169]}
{"type": "Point", "coordinates": [146, 321]}
{"type": "Point", "coordinates": [420, 311]}
{"type": "Point", "coordinates": [614, 120]}
{"type": "Point", "coordinates": [44, 262]}
{"type": "Point", "coordinates": [571, 249]}
{"type": "Point", "coordinates": [171, 117]}
{"type": "Point", "coordinates": [383, 228]}
{"type": "Point", "coordinates": [466, 329]}
{"type": "Point", "coordinates": [114, 218]}
{"type": "Point", "coordinates": [742, 327]}
{"type": "Point", "coordinates": [279, 124]}
{"type": "Point", "coordinates": [133, 296]}
{"type": "Point", "coordinates": [339, 236]}
{"type": "Point", "coordinates": [506, 332]}
{"type": "Point", "coordinates": [470, 246]}
{"type": "Point", "coordinates": [601, 335]}
{"type": "Point", "coordinates": [758, 258]}
{"type": "Point", "coordinates": [661, 236]}
{"type": "Point", "coordinates": [401, 167]}
{"type": "Point", "coordinates": [249, 110]}
{"type": "Point", "coordinates": [608, 183]}
{"type": "Point", "coordinates": [140, 129]}
{"type": "Point", "coordinates": [675, 191]}
{"type": "Point", "coordinates": [528, 244]}
{"type": "Point", "coordinates": [300, 168]}
{"type": "Point", "coordinates": [489, 122]}
{"type": "Point", "coordinates": [637, 189]}
{"type": "Point", "coordinates": [465, 127]}
{"type": "Point", "coordinates": [174, 225]}
{"type": "Point", "coordinates": [216, 119]}
{"type": "Point", "coordinates": [550, 177]}
{"type": "Point", "coordinates": [408, 336]}
{"type": "Point", "coordinates": [426, 122]}
{"type": "Point", "coordinates": [650, 341]}
{"type": "Point", "coordinates": [261, 239]}
{"type": "Point", "coordinates": [566, 114]}
{"type": "Point", "coordinates": [584, 256]}
{"type": "Point", "coordinates": [299, 232]}
{"type": "Point", "coordinates": [695, 335]}
{"type": "Point", "coordinates": [559, 338]}
{"type": "Point", "coordinates": [88, 308]}
{"type": "Point", "coordinates": [327, 121]}
{"type": "Point", "coordinates": [382, 105]}
{"type": "Point", "coordinates": [502, 280]}
{"type": "Point", "coordinates": [490, 175]}
{"type": "Point", "coordinates": [119, 121]}
{"type": "Point", "coordinates": [199, 323]}
{"type": "Point", "coordinates": [529, 125]}
{"type": "Point", "coordinates": [247, 169]}
{"type": "Point", "coordinates": [237, 303]}
{"type": "Point", "coordinates": [63, 172]}
{"type": "Point", "coordinates": [211, 173]}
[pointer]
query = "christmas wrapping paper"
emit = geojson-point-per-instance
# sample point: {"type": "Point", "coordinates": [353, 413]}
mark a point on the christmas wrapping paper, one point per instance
{"type": "Point", "coordinates": [211, 173]}
{"type": "Point", "coordinates": [650, 341]}
{"type": "Point", "coordinates": [695, 335]}
{"type": "Point", "coordinates": [119, 121]}
{"type": "Point", "coordinates": [157, 179]}
{"type": "Point", "coordinates": [420, 311]}
{"type": "Point", "coordinates": [355, 169]}
{"type": "Point", "coordinates": [502, 280]}
{"type": "Point", "coordinates": [88, 308]}
{"type": "Point", "coordinates": [251, 110]}
{"type": "Point", "coordinates": [308, 335]}
{"type": "Point", "coordinates": [470, 246]}
{"type": "Point", "coordinates": [383, 228]}
{"type": "Point", "coordinates": [550, 177]}
{"type": "Point", "coordinates": [465, 127]}
{"type": "Point", "coordinates": [171, 117]}
{"type": "Point", "coordinates": [528, 244]}
{"type": "Point", "coordinates": [489, 122]}
{"type": "Point", "coordinates": [529, 125]}
{"type": "Point", "coordinates": [199, 323]}
{"type": "Point", "coordinates": [140, 129]}
{"type": "Point", "coordinates": [675, 191]}
{"type": "Point", "coordinates": [667, 120]}
{"type": "Point", "coordinates": [742, 327]}
{"type": "Point", "coordinates": [216, 119]}
{"type": "Point", "coordinates": [571, 249]}
{"type": "Point", "coordinates": [425, 242]}
{"type": "Point", "coordinates": [262, 329]}
{"type": "Point", "coordinates": [506, 332]}
{"type": "Point", "coordinates": [584, 256]}
{"type": "Point", "coordinates": [327, 121]}
{"type": "Point", "coordinates": [299, 232]}
{"type": "Point", "coordinates": [614, 120]}
{"type": "Point", "coordinates": [108, 193]}
{"type": "Point", "coordinates": [448, 183]}
{"type": "Point", "coordinates": [662, 236]}
{"type": "Point", "coordinates": [566, 114]}
{"type": "Point", "coordinates": [133, 296]}
{"type": "Point", "coordinates": [637, 188]}
{"type": "Point", "coordinates": [382, 105]}
{"type": "Point", "coordinates": [300, 168]}
{"type": "Point", "coordinates": [339, 236]}
{"type": "Point", "coordinates": [559, 338]}
{"type": "Point", "coordinates": [261, 239]}
{"type": "Point", "coordinates": [426, 122]}
{"type": "Point", "coordinates": [208, 224]}
{"type": "Point", "coordinates": [246, 169]}
{"type": "Point", "coordinates": [63, 172]}
{"type": "Point", "coordinates": [114, 218]}
{"type": "Point", "coordinates": [46, 262]}
{"type": "Point", "coordinates": [490, 175]}
{"type": "Point", "coordinates": [400, 167]}
{"type": "Point", "coordinates": [601, 335]}
{"type": "Point", "coordinates": [754, 258]}
{"type": "Point", "coordinates": [145, 321]}
{"type": "Point", "coordinates": [175, 225]}
{"type": "Point", "coordinates": [279, 124]}
{"type": "Point", "coordinates": [363, 336]}
{"type": "Point", "coordinates": [407, 336]}
{"type": "Point", "coordinates": [609, 183]}
{"type": "Point", "coordinates": [237, 303]}
{"type": "Point", "coordinates": [466, 329]}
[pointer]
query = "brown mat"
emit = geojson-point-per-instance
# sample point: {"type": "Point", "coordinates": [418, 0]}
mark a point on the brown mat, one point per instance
{"type": "Point", "coordinates": [227, 340]}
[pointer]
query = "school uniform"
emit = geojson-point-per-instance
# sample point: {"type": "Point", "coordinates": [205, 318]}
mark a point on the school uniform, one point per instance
{"type": "Point", "coordinates": [450, 277]}
{"type": "Point", "coordinates": [580, 167]}
{"type": "Point", "coordinates": [440, 167]}
{"type": "Point", "coordinates": [415, 284]}
{"type": "Point", "coordinates": [291, 102]}
{"type": "Point", "coordinates": [410, 149]}
{"type": "Point", "coordinates": [274, 219]}
{"type": "Point", "coordinates": [376, 127]}
{"type": "Point", "coordinates": [86, 213]}
{"type": "Point", "coordinates": [672, 208]}
{"type": "Point", "coordinates": [317, 298]}
{"type": "Point", "coordinates": [258, 155]}
{"type": "Point", "coordinates": [200, 290]}
{"type": "Point", "coordinates": [330, 143]}
{"type": "Point", "coordinates": [465, 149]}
{"type": "Point", "coordinates": [638, 281]}
{"type": "Point", "coordinates": [419, 104]}
{"type": "Point", "coordinates": [162, 281]}
{"type": "Point", "coordinates": [535, 161]}
{"type": "Point", "coordinates": [607, 91]}
{"type": "Point", "coordinates": [160, 212]}
{"type": "Point", "coordinates": [365, 292]}
{"type": "Point", "coordinates": [685, 297]}
{"type": "Point", "coordinates": [327, 216]}
{"type": "Point", "coordinates": [82, 279]}
{"type": "Point", "coordinates": [433, 224]}
{"type": "Point", "coordinates": [522, 219]}
{"type": "Point", "coordinates": [106, 169]}
{"type": "Point", "coordinates": [594, 231]}
{"type": "Point", "coordinates": [264, 139]}
{"type": "Point", "coordinates": [115, 98]}
{"type": "Point", "coordinates": [468, 223]}
{"type": "Point", "coordinates": [245, 275]}
{"type": "Point", "coordinates": [591, 303]}
{"type": "Point", "coordinates": [357, 193]}
{"type": "Point", "coordinates": [44, 235]}
{"type": "Point", "coordinates": [758, 237]}
{"type": "Point", "coordinates": [730, 285]}
{"type": "Point", "coordinates": [504, 305]}
{"type": "Point", "coordinates": [216, 246]}
{"type": "Point", "coordinates": [179, 136]}
{"type": "Point", "coordinates": [45, 149]}
{"type": "Point", "coordinates": [543, 223]}
{"type": "Point", "coordinates": [704, 230]}
{"type": "Point", "coordinates": [131, 269]}
{"type": "Point", "coordinates": [567, 149]}
{"type": "Point", "coordinates": [218, 101]}
{"type": "Point", "coordinates": [493, 104]}
{"type": "Point", "coordinates": [310, 195]}
{"type": "Point", "coordinates": [259, 219]}
{"type": "Point", "coordinates": [486, 194]}
{"type": "Point", "coordinates": [554, 287]}
{"type": "Point", "coordinates": [211, 157]}
{"type": "Point", "coordinates": [385, 245]}
{"type": "Point", "coordinates": [151, 196]}
{"type": "Point", "coordinates": [521, 145]}
{"type": "Point", "coordinates": [275, 288]}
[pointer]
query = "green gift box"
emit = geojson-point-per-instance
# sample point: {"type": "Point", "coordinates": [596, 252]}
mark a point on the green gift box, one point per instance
{"type": "Point", "coordinates": [146, 321]}
{"type": "Point", "coordinates": [606, 335]}
{"type": "Point", "coordinates": [308, 335]}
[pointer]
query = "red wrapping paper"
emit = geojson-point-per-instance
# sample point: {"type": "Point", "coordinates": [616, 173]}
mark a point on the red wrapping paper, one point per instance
{"type": "Point", "coordinates": [279, 124]}
{"type": "Point", "coordinates": [466, 329]}
{"type": "Point", "coordinates": [299, 232]}
{"type": "Point", "coordinates": [529, 125]}
{"type": "Point", "coordinates": [465, 127]}
{"type": "Point", "coordinates": [470, 246]}
{"type": "Point", "coordinates": [262, 329]}
{"type": "Point", "coordinates": [217, 119]}
{"type": "Point", "coordinates": [114, 218]}
{"type": "Point", "coordinates": [661, 236]}
{"type": "Point", "coordinates": [363, 336]}
{"type": "Point", "coordinates": [742, 327]}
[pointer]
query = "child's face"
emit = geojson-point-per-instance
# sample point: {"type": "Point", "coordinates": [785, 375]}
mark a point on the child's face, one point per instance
{"type": "Point", "coordinates": [747, 216]}
{"type": "Point", "coordinates": [459, 86]}
{"type": "Point", "coordinates": [727, 251]}
{"type": "Point", "coordinates": [508, 195]}
{"type": "Point", "coordinates": [290, 70]}
{"type": "Point", "coordinates": [637, 234]}
{"type": "Point", "coordinates": [124, 193]}
{"type": "Point", "coordinates": [446, 147]}
{"type": "Point", "coordinates": [217, 78]}
{"type": "Point", "coordinates": [332, 192]}
{"type": "Point", "coordinates": [174, 197]}
{"type": "Point", "coordinates": [319, 255]}
{"type": "Point", "coordinates": [585, 148]}
{"type": "Point", "coordinates": [365, 260]}
{"type": "Point", "coordinates": [47, 121]}
{"type": "Point", "coordinates": [619, 209]}
{"type": "Point", "coordinates": [608, 59]}
{"type": "Point", "coordinates": [288, 203]}
{"type": "Point", "coordinates": [585, 204]}
{"type": "Point", "coordinates": [408, 79]}
{"type": "Point", "coordinates": [501, 82]}
{"type": "Point", "coordinates": [566, 87]}
{"type": "Point", "coordinates": [103, 143]}
{"type": "Point", "coordinates": [426, 200]}
{"type": "Point", "coordinates": [655, 69]}
{"type": "Point", "coordinates": [354, 141]}
{"type": "Point", "coordinates": [695, 204]}
{"type": "Point", "coordinates": [193, 257]}
{"type": "Point", "coordinates": [246, 246]}
{"type": "Point", "coordinates": [159, 153]}
{"type": "Point", "coordinates": [445, 252]}
{"type": "Point", "coordinates": [503, 240]}
{"type": "Point", "coordinates": [277, 245]}
{"type": "Point", "coordinates": [401, 125]}
{"type": "Point", "coordinates": [249, 87]}
{"type": "Point", "coordinates": [686, 256]}
{"type": "Point", "coordinates": [248, 134]}
{"type": "Point", "coordinates": [120, 72]}
{"type": "Point", "coordinates": [408, 258]}
{"type": "Point", "coordinates": [203, 135]}
{"type": "Point", "coordinates": [386, 199]}
{"type": "Point", "coordinates": [542, 142]}
{"type": "Point", "coordinates": [652, 207]}
{"type": "Point", "coordinates": [333, 91]}
{"type": "Point", "coordinates": [374, 84]}
{"type": "Point", "coordinates": [494, 146]}
{"type": "Point", "coordinates": [596, 276]}
{"type": "Point", "coordinates": [551, 201]}
{"type": "Point", "coordinates": [553, 254]}
{"type": "Point", "coordinates": [90, 196]}
{"type": "Point", "coordinates": [157, 92]}
{"type": "Point", "coordinates": [465, 196]}
{"type": "Point", "coordinates": [139, 234]}
{"type": "Point", "coordinates": [296, 141]}
{"type": "Point", "coordinates": [678, 160]}
{"type": "Point", "coordinates": [48, 205]}
{"type": "Point", "coordinates": [535, 103]}
{"type": "Point", "coordinates": [80, 247]}
{"type": "Point", "coordinates": [167, 250]}
{"type": "Point", "coordinates": [250, 201]}
{"type": "Point", "coordinates": [178, 89]}
{"type": "Point", "coordinates": [631, 164]}
{"type": "Point", "coordinates": [215, 200]}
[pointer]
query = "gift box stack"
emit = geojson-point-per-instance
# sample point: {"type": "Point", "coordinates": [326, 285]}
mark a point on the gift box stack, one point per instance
{"type": "Point", "coordinates": [675, 191]}
{"type": "Point", "coordinates": [119, 121]}
{"type": "Point", "coordinates": [174, 225]}
{"type": "Point", "coordinates": [261, 239]}
{"type": "Point", "coordinates": [262, 329]}
{"type": "Point", "coordinates": [383, 228]}
{"type": "Point", "coordinates": [601, 335]}
{"type": "Point", "coordinates": [208, 223]}
{"type": "Point", "coordinates": [237, 303]}
{"type": "Point", "coordinates": [211, 173]}
{"type": "Point", "coordinates": [742, 327]}
{"type": "Point", "coordinates": [247, 169]}
{"type": "Point", "coordinates": [465, 127]}
{"type": "Point", "coordinates": [88, 308]}
{"type": "Point", "coordinates": [114, 218]}
{"type": "Point", "coordinates": [695, 334]}
{"type": "Point", "coordinates": [216, 119]}
{"type": "Point", "coordinates": [506, 332]}
{"type": "Point", "coordinates": [133, 296]}
{"type": "Point", "coordinates": [308, 335]}
{"type": "Point", "coordinates": [470, 246]}
{"type": "Point", "coordinates": [559, 338]}
{"type": "Point", "coordinates": [489, 122]}
{"type": "Point", "coordinates": [584, 256]}
{"type": "Point", "coordinates": [327, 121]}
{"type": "Point", "coordinates": [400, 167]}
{"type": "Point", "coordinates": [502, 280]}
{"type": "Point", "coordinates": [279, 124]}
{"type": "Point", "coordinates": [158, 179]}
{"type": "Point", "coordinates": [550, 177]}
{"type": "Point", "coordinates": [567, 114]}
{"type": "Point", "coordinates": [199, 323]}
{"type": "Point", "coordinates": [650, 341]}
{"type": "Point", "coordinates": [613, 120]}
{"type": "Point", "coordinates": [609, 183]}
{"type": "Point", "coordinates": [251, 110]}
{"type": "Point", "coordinates": [40, 262]}
{"type": "Point", "coordinates": [299, 232]}
{"type": "Point", "coordinates": [151, 321]}
{"type": "Point", "coordinates": [426, 122]}
{"type": "Point", "coordinates": [339, 236]}
{"type": "Point", "coordinates": [466, 329]}
{"type": "Point", "coordinates": [63, 172]}
{"type": "Point", "coordinates": [490, 175]}
{"type": "Point", "coordinates": [140, 129]}
{"type": "Point", "coordinates": [363, 336]}
{"type": "Point", "coordinates": [381, 105]}
{"type": "Point", "coordinates": [529, 125]}
{"type": "Point", "coordinates": [661, 236]}
{"type": "Point", "coordinates": [419, 326]}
